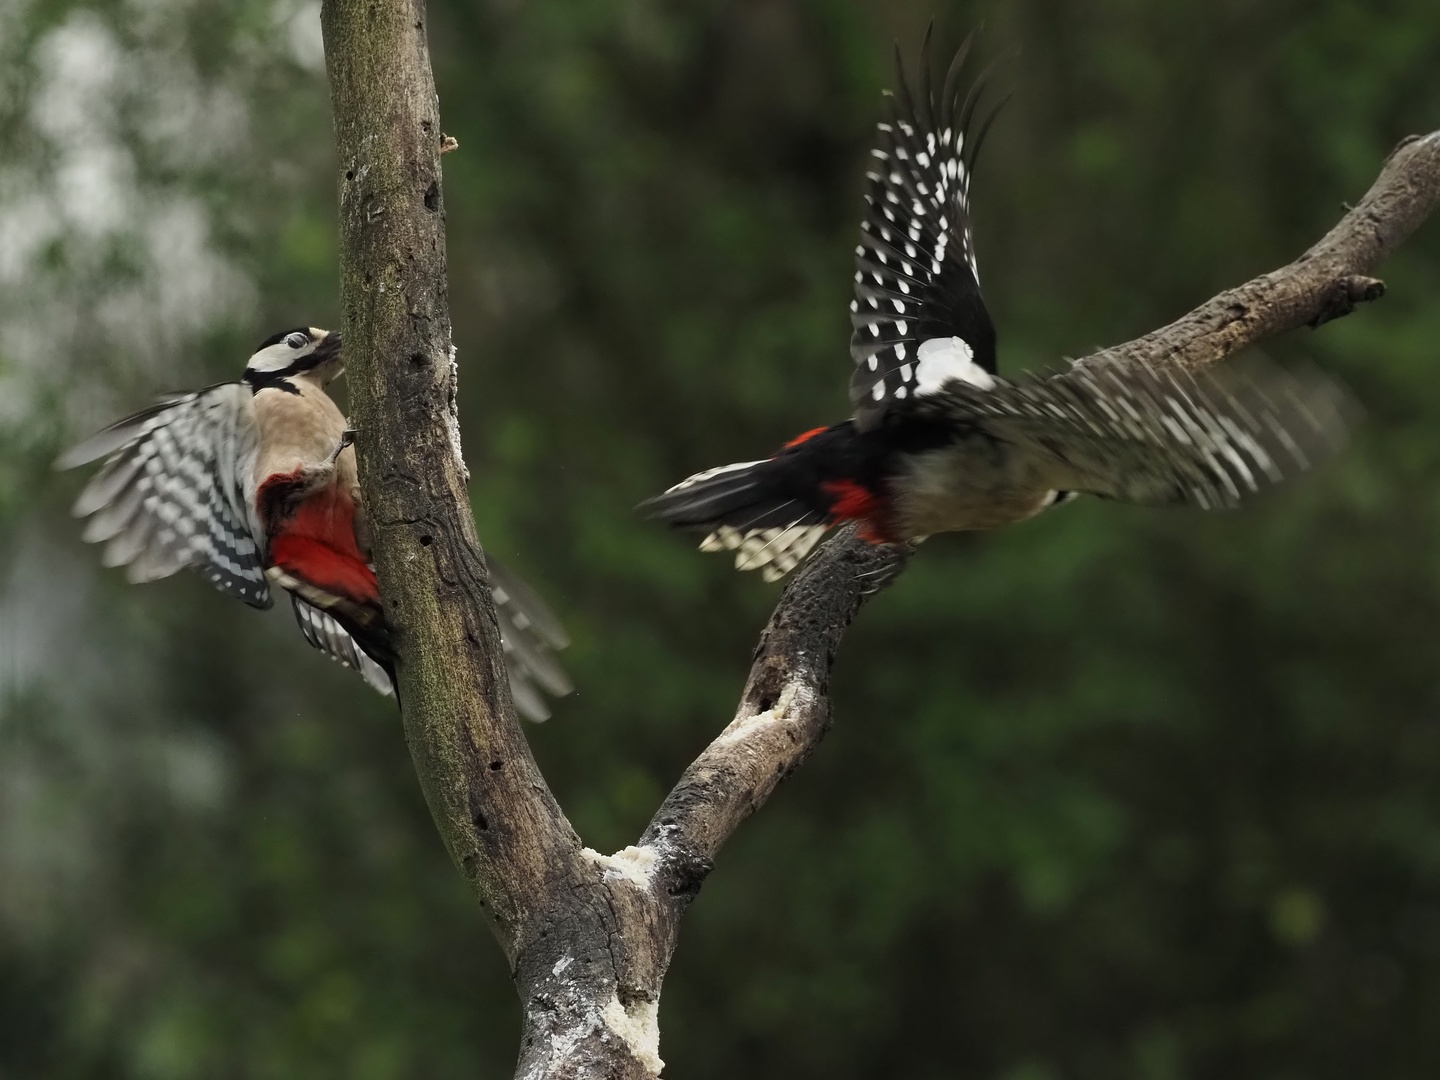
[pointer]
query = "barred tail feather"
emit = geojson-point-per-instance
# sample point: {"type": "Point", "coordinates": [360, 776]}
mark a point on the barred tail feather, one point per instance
{"type": "Point", "coordinates": [751, 508]}
{"type": "Point", "coordinates": [325, 632]}
{"type": "Point", "coordinates": [774, 552]}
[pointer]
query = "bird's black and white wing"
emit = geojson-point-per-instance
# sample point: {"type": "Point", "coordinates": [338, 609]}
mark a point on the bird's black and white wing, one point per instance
{"type": "Point", "coordinates": [918, 317]}
{"type": "Point", "coordinates": [531, 635]}
{"type": "Point", "coordinates": [1211, 440]}
{"type": "Point", "coordinates": [172, 493]}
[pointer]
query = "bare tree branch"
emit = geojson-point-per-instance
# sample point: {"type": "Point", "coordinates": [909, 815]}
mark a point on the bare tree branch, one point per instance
{"type": "Point", "coordinates": [785, 709]}
{"type": "Point", "coordinates": [1326, 282]}
{"type": "Point", "coordinates": [590, 936]}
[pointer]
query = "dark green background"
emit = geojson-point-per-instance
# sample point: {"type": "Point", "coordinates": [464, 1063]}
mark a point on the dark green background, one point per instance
{"type": "Point", "coordinates": [1113, 793]}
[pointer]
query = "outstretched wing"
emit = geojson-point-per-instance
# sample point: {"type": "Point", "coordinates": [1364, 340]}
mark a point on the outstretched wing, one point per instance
{"type": "Point", "coordinates": [1163, 437]}
{"type": "Point", "coordinates": [918, 317]}
{"type": "Point", "coordinates": [172, 492]}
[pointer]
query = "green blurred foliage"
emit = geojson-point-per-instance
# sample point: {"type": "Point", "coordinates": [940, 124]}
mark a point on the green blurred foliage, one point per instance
{"type": "Point", "coordinates": [1113, 793]}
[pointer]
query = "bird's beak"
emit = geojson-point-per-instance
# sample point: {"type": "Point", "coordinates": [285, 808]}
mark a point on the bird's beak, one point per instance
{"type": "Point", "coordinates": [328, 345]}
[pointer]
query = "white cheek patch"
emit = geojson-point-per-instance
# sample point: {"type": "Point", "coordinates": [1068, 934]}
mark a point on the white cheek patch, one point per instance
{"type": "Point", "coordinates": [943, 359]}
{"type": "Point", "coordinates": [277, 357]}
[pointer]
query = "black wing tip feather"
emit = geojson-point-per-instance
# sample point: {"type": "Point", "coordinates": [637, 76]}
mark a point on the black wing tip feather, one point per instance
{"type": "Point", "coordinates": [949, 96]}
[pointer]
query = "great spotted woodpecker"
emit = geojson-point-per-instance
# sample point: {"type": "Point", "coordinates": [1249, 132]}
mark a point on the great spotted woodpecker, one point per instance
{"type": "Point", "coordinates": [253, 484]}
{"type": "Point", "coordinates": [938, 441]}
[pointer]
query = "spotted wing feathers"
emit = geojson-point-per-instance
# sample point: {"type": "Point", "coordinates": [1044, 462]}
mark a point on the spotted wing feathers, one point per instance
{"type": "Point", "coordinates": [918, 317]}
{"type": "Point", "coordinates": [1165, 437]}
{"type": "Point", "coordinates": [171, 494]}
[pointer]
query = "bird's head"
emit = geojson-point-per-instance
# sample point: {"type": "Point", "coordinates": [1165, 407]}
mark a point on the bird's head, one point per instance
{"type": "Point", "coordinates": [305, 350]}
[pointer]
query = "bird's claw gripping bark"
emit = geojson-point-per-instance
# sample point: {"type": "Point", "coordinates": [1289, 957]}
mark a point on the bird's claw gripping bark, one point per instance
{"type": "Point", "coordinates": [347, 438]}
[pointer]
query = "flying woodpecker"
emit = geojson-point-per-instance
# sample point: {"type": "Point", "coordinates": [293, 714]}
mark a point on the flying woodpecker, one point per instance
{"type": "Point", "coordinates": [253, 484]}
{"type": "Point", "coordinates": [938, 441]}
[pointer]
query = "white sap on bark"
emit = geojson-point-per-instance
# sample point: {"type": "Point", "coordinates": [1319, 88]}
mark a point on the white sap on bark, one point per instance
{"type": "Point", "coordinates": [794, 694]}
{"type": "Point", "coordinates": [452, 419]}
{"type": "Point", "coordinates": [638, 1024]}
{"type": "Point", "coordinates": [632, 864]}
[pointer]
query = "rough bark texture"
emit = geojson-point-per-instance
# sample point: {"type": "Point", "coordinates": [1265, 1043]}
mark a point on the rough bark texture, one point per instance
{"type": "Point", "coordinates": [590, 936]}
{"type": "Point", "coordinates": [500, 822]}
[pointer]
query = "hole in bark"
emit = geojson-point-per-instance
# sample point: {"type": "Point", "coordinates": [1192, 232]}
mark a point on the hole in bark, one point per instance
{"type": "Point", "coordinates": [425, 126]}
{"type": "Point", "coordinates": [432, 196]}
{"type": "Point", "coordinates": [426, 541]}
{"type": "Point", "coordinates": [349, 174]}
{"type": "Point", "coordinates": [766, 703]}
{"type": "Point", "coordinates": [496, 765]}
{"type": "Point", "coordinates": [480, 822]}
{"type": "Point", "coordinates": [418, 360]}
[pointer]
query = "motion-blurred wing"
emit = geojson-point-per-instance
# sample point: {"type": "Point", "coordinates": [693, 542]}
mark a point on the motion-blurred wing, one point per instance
{"type": "Point", "coordinates": [531, 635]}
{"type": "Point", "coordinates": [1163, 438]}
{"type": "Point", "coordinates": [172, 492]}
{"type": "Point", "coordinates": [918, 317]}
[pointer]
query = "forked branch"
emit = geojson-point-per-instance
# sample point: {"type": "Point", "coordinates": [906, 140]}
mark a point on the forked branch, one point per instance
{"type": "Point", "coordinates": [590, 936]}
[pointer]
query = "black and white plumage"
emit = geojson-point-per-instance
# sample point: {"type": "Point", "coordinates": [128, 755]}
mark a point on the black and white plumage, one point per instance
{"type": "Point", "coordinates": [324, 632]}
{"type": "Point", "coordinates": [918, 317]}
{"type": "Point", "coordinates": [939, 442]}
{"type": "Point", "coordinates": [177, 492]}
{"type": "Point", "coordinates": [253, 485]}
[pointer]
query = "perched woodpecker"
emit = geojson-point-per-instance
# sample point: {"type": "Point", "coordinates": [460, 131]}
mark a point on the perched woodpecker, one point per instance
{"type": "Point", "coordinates": [253, 484]}
{"type": "Point", "coordinates": [938, 441]}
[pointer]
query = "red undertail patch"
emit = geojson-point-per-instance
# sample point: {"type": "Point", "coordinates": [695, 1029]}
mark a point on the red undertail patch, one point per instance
{"type": "Point", "coordinates": [855, 502]}
{"type": "Point", "coordinates": [317, 544]}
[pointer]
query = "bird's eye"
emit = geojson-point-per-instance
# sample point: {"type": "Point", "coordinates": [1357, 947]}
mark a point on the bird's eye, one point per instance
{"type": "Point", "coordinates": [297, 341]}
